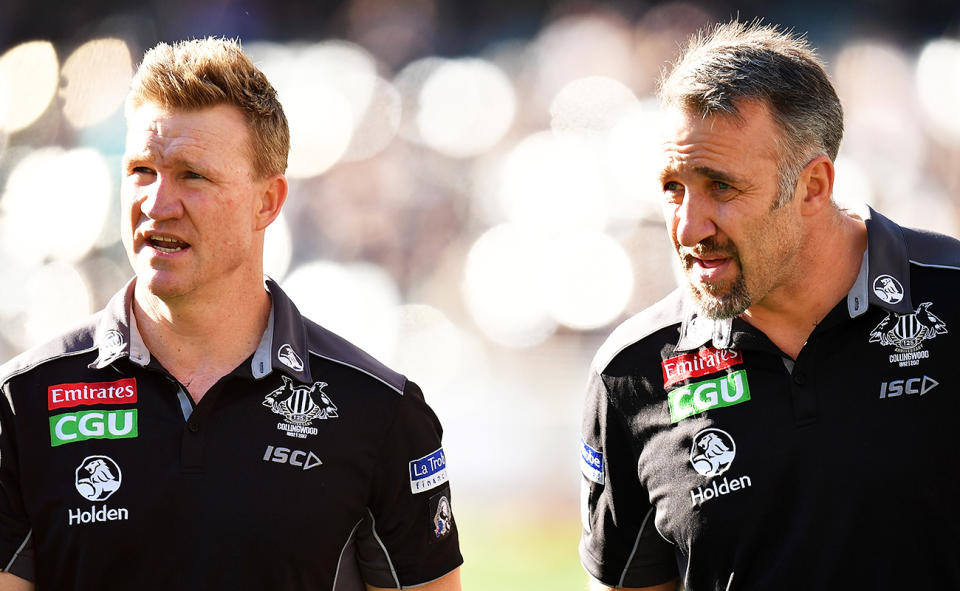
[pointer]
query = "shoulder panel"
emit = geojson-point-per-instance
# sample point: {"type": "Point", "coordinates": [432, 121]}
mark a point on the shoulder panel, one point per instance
{"type": "Point", "coordinates": [73, 342]}
{"type": "Point", "coordinates": [667, 312]}
{"type": "Point", "coordinates": [930, 249]}
{"type": "Point", "coordinates": [332, 347]}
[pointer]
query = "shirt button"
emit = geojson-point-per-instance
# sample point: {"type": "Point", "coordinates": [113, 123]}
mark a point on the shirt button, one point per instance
{"type": "Point", "coordinates": [193, 426]}
{"type": "Point", "coordinates": [798, 378]}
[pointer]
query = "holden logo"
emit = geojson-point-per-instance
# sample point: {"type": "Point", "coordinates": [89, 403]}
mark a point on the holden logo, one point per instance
{"type": "Point", "coordinates": [97, 477]}
{"type": "Point", "coordinates": [289, 357]}
{"type": "Point", "coordinates": [888, 289]}
{"type": "Point", "coordinates": [712, 452]}
{"type": "Point", "coordinates": [112, 342]}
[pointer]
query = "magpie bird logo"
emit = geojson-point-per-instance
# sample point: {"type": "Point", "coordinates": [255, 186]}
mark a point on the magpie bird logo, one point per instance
{"type": "Point", "coordinates": [907, 332]}
{"type": "Point", "coordinates": [300, 405]}
{"type": "Point", "coordinates": [443, 518]}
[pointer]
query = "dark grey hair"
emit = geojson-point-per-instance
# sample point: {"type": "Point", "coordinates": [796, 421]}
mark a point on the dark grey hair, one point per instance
{"type": "Point", "coordinates": [735, 62]}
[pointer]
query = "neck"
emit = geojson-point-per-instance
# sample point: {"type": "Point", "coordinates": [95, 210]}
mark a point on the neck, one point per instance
{"type": "Point", "coordinates": [824, 272]}
{"type": "Point", "coordinates": [201, 339]}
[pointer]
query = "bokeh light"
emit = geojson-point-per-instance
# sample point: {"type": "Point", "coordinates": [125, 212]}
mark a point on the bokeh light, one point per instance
{"type": "Point", "coordinates": [56, 296]}
{"type": "Point", "coordinates": [277, 248]}
{"type": "Point", "coordinates": [553, 183]}
{"type": "Point", "coordinates": [586, 280]}
{"type": "Point", "coordinates": [55, 204]}
{"type": "Point", "coordinates": [429, 348]}
{"type": "Point", "coordinates": [29, 75]}
{"type": "Point", "coordinates": [938, 86]}
{"type": "Point", "coordinates": [357, 301]}
{"type": "Point", "coordinates": [465, 107]}
{"type": "Point", "coordinates": [97, 79]}
{"type": "Point", "coordinates": [501, 290]}
{"type": "Point", "coordinates": [326, 89]}
{"type": "Point", "coordinates": [377, 124]}
{"type": "Point", "coordinates": [590, 106]}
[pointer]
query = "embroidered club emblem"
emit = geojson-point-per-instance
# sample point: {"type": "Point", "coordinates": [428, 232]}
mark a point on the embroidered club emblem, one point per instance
{"type": "Point", "coordinates": [300, 406]}
{"type": "Point", "coordinates": [907, 332]}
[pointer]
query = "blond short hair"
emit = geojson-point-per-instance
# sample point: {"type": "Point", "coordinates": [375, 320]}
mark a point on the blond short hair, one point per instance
{"type": "Point", "coordinates": [201, 73]}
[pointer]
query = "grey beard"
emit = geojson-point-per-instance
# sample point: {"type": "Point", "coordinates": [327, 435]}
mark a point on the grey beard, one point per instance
{"type": "Point", "coordinates": [731, 304]}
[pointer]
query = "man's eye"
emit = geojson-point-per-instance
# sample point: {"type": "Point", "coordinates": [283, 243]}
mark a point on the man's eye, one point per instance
{"type": "Point", "coordinates": [721, 186]}
{"type": "Point", "coordinates": [141, 170]}
{"type": "Point", "coordinates": [193, 175]}
{"type": "Point", "coordinates": [672, 186]}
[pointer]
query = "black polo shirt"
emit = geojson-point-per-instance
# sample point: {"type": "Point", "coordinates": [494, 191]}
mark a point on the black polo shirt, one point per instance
{"type": "Point", "coordinates": [310, 466]}
{"type": "Point", "coordinates": [710, 455]}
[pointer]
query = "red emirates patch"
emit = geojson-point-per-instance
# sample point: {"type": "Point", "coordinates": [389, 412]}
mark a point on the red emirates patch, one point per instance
{"type": "Point", "coordinates": [701, 363]}
{"type": "Point", "coordinates": [89, 393]}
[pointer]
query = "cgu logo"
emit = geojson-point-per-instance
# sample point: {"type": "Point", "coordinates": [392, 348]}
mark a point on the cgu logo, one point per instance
{"type": "Point", "coordinates": [80, 426]}
{"type": "Point", "coordinates": [698, 397]}
{"type": "Point", "coordinates": [295, 457]}
{"type": "Point", "coordinates": [911, 386]}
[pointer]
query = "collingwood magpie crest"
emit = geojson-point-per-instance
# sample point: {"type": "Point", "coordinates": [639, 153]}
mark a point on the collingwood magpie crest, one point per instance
{"type": "Point", "coordinates": [907, 332]}
{"type": "Point", "coordinates": [300, 405]}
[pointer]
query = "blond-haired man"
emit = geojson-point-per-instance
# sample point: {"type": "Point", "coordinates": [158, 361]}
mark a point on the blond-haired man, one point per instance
{"type": "Point", "coordinates": [199, 433]}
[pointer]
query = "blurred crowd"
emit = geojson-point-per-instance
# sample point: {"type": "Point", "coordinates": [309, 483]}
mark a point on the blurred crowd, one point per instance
{"type": "Point", "coordinates": [479, 222]}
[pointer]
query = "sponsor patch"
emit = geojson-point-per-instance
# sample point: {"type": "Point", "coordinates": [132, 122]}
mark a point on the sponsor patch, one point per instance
{"type": "Point", "coordinates": [96, 479]}
{"type": "Point", "coordinates": [712, 452]}
{"type": "Point", "coordinates": [428, 472]}
{"type": "Point", "coordinates": [698, 397]}
{"type": "Point", "coordinates": [93, 424]}
{"type": "Point", "coordinates": [907, 333]}
{"type": "Point", "coordinates": [112, 343]}
{"type": "Point", "coordinates": [701, 363]}
{"type": "Point", "coordinates": [888, 289]}
{"type": "Point", "coordinates": [89, 393]}
{"type": "Point", "coordinates": [895, 388]}
{"type": "Point", "coordinates": [289, 357]}
{"type": "Point", "coordinates": [591, 462]}
{"type": "Point", "coordinates": [442, 515]}
{"type": "Point", "coordinates": [294, 457]}
{"type": "Point", "coordinates": [300, 406]}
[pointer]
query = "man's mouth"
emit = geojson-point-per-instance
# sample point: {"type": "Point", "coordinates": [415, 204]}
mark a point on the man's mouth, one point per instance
{"type": "Point", "coordinates": [167, 244]}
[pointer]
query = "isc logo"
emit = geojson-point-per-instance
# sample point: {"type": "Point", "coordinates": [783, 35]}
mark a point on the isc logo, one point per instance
{"type": "Point", "coordinates": [911, 386]}
{"type": "Point", "coordinates": [295, 457]}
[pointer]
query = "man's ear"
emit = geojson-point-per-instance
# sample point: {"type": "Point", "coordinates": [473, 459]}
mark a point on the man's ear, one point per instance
{"type": "Point", "coordinates": [815, 185]}
{"type": "Point", "coordinates": [272, 196]}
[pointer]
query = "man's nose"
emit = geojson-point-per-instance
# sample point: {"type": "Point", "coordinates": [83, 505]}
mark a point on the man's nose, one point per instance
{"type": "Point", "coordinates": [161, 200]}
{"type": "Point", "coordinates": [693, 220]}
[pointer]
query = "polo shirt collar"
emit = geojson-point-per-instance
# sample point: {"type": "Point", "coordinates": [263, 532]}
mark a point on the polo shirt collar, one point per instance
{"type": "Point", "coordinates": [283, 346]}
{"type": "Point", "coordinates": [885, 264]}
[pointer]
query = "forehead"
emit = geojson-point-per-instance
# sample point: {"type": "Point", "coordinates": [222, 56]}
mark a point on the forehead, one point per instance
{"type": "Point", "coordinates": [214, 132]}
{"type": "Point", "coordinates": [691, 140]}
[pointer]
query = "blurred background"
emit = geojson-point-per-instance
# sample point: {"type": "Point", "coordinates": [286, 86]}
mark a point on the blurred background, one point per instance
{"type": "Point", "coordinates": [471, 194]}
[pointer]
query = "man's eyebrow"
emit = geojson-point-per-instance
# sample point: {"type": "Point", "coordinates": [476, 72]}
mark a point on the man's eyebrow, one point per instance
{"type": "Point", "coordinates": [717, 175]}
{"type": "Point", "coordinates": [704, 171]}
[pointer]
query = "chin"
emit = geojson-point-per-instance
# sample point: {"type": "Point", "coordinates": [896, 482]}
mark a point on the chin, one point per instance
{"type": "Point", "coordinates": [162, 285]}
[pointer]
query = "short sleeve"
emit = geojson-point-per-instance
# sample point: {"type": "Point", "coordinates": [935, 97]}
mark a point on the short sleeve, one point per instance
{"type": "Point", "coordinates": [16, 555]}
{"type": "Point", "coordinates": [619, 546]}
{"type": "Point", "coordinates": [411, 535]}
